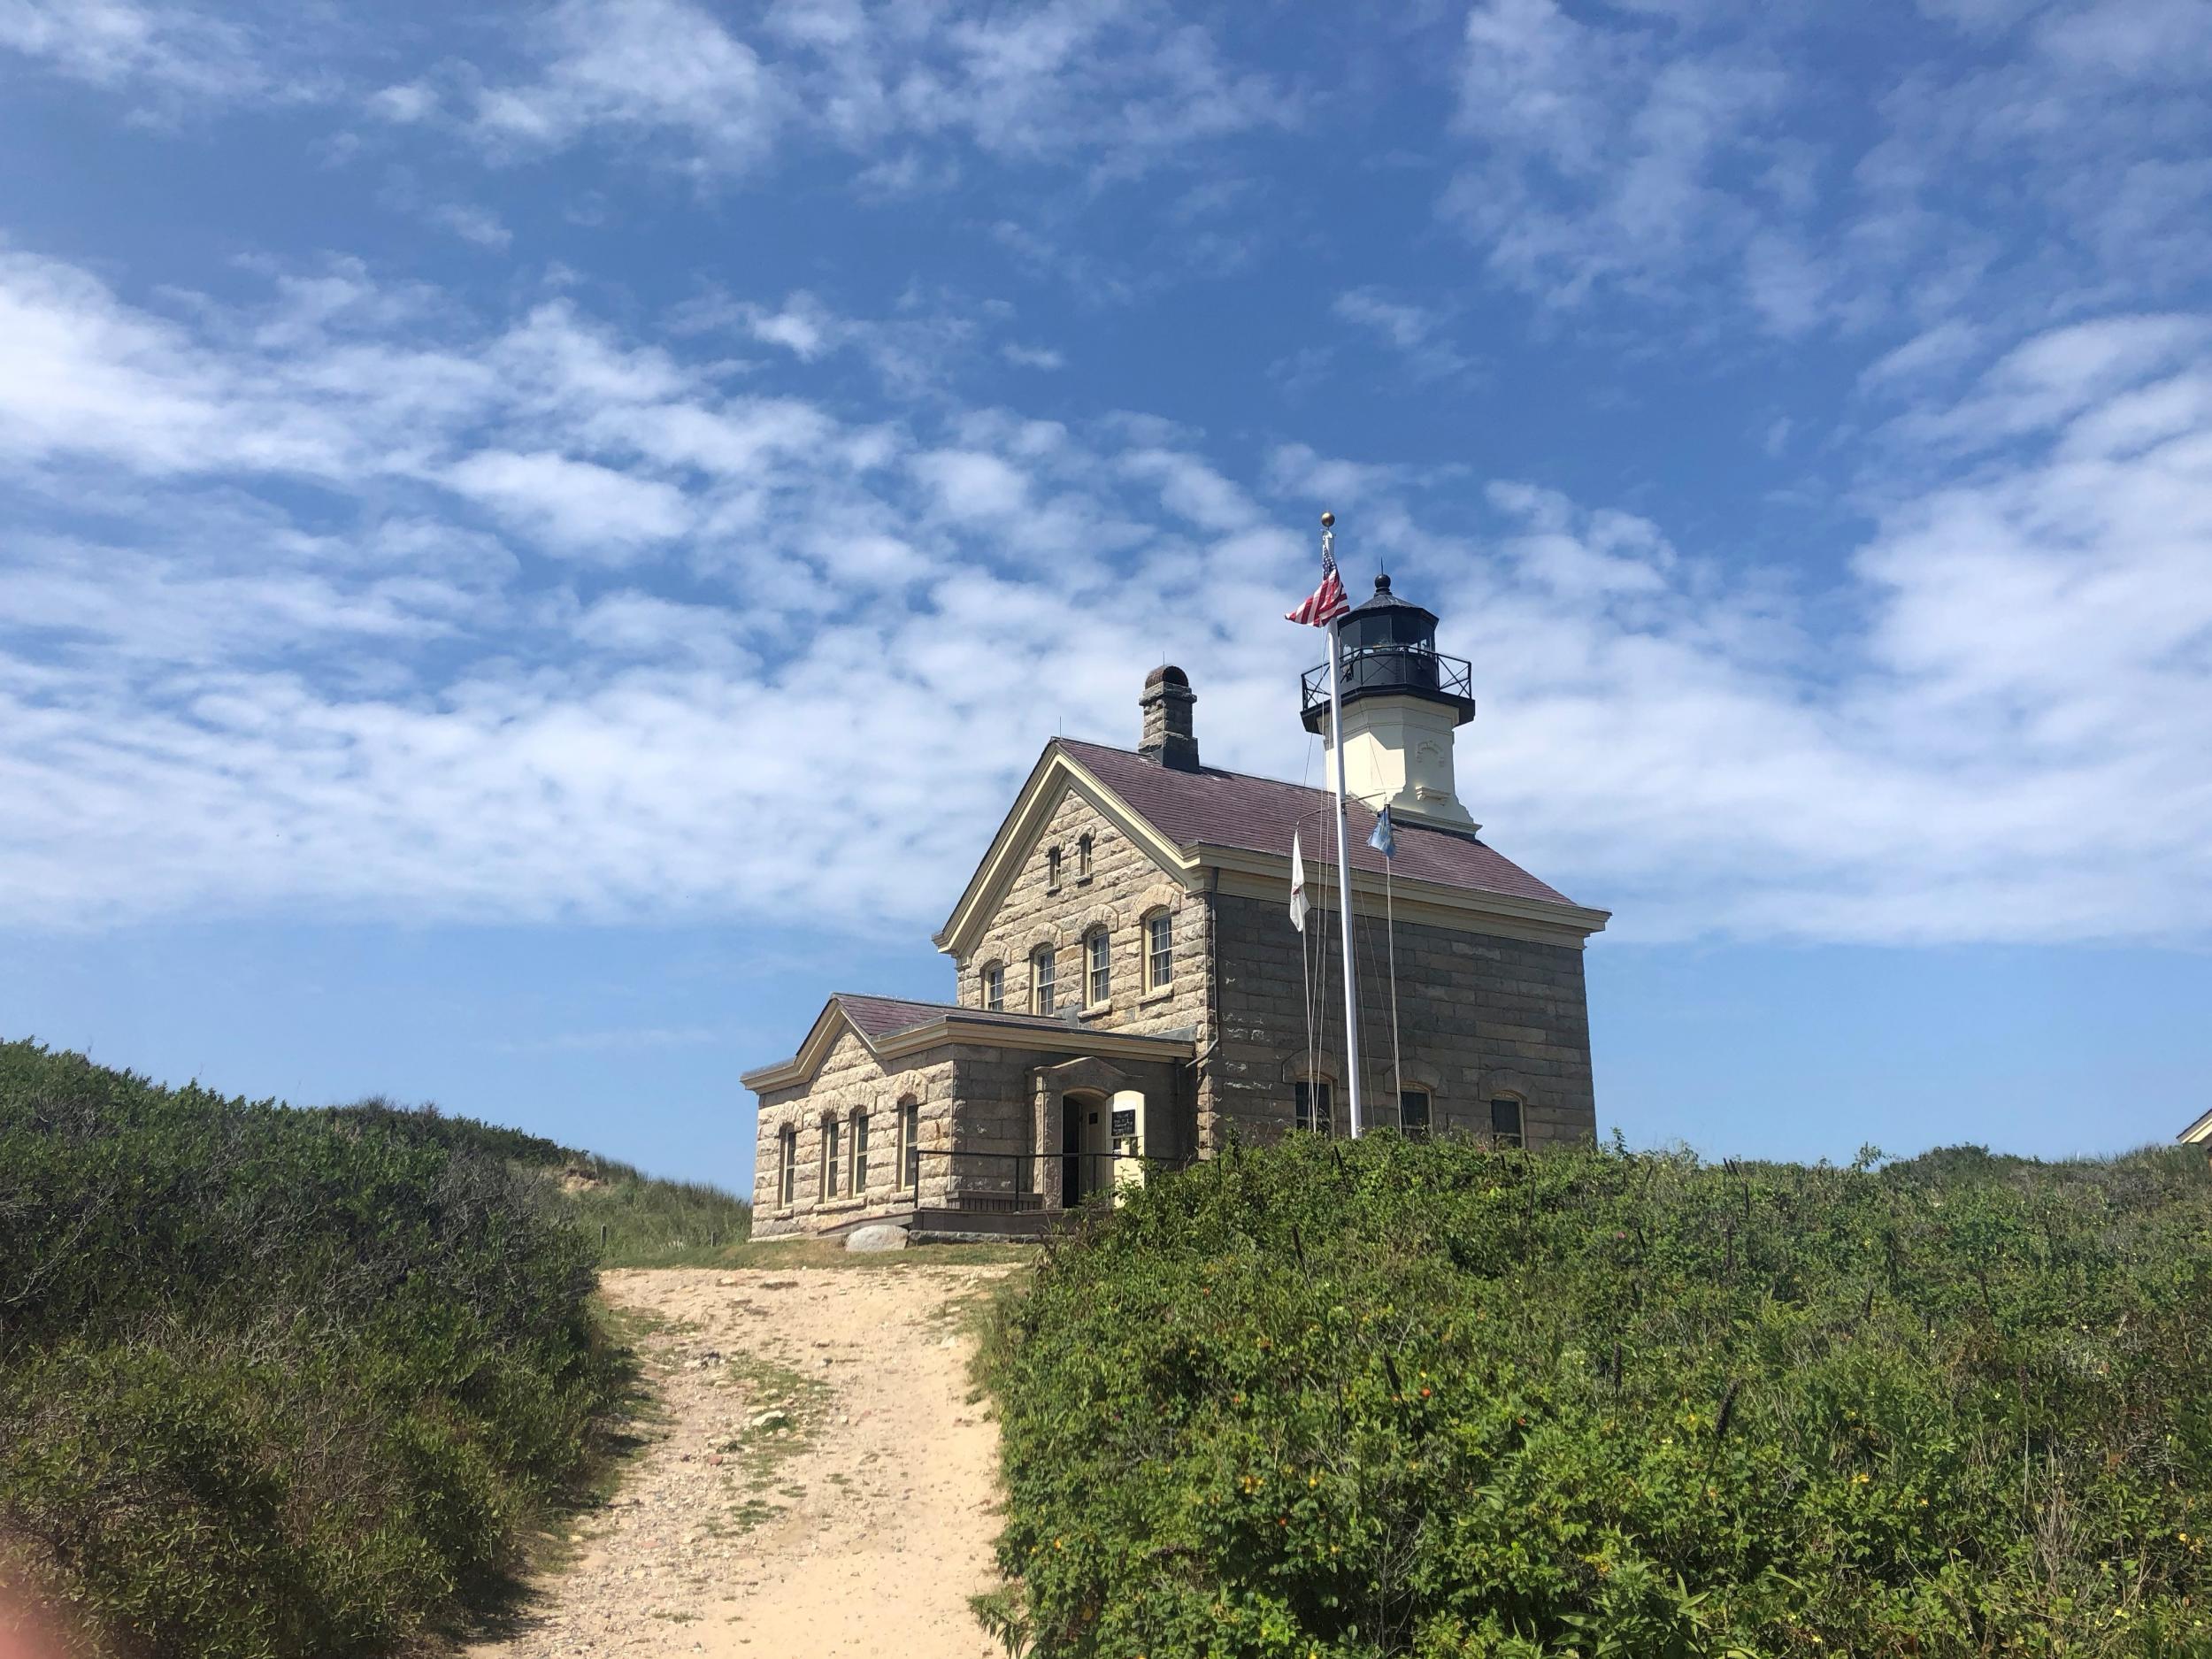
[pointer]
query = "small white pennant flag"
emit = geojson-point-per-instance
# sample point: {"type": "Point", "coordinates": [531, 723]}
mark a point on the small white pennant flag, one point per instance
{"type": "Point", "coordinates": [1298, 906]}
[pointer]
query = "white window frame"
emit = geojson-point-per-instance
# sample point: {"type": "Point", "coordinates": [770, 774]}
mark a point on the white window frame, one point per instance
{"type": "Point", "coordinates": [1098, 968]}
{"type": "Point", "coordinates": [909, 1110]}
{"type": "Point", "coordinates": [994, 987]}
{"type": "Point", "coordinates": [1159, 957]}
{"type": "Point", "coordinates": [786, 1167]}
{"type": "Point", "coordinates": [830, 1144]}
{"type": "Point", "coordinates": [859, 1139]}
{"type": "Point", "coordinates": [1044, 974]}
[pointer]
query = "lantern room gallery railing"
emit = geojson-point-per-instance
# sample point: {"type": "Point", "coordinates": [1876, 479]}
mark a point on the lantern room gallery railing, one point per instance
{"type": "Point", "coordinates": [1376, 668]}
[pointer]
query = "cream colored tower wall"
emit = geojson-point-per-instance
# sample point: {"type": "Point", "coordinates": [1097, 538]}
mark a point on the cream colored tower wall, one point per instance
{"type": "Point", "coordinates": [1399, 749]}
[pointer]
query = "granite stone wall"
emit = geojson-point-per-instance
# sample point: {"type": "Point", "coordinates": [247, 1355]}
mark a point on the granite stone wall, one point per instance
{"type": "Point", "coordinates": [1478, 1017]}
{"type": "Point", "coordinates": [852, 1079]}
{"type": "Point", "coordinates": [982, 1136]}
{"type": "Point", "coordinates": [1125, 885]}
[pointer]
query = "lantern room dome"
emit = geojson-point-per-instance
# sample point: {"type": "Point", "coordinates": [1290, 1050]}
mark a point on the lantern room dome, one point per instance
{"type": "Point", "coordinates": [1389, 647]}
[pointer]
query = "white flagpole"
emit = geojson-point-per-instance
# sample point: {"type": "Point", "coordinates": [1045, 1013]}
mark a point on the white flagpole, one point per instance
{"type": "Point", "coordinates": [1343, 858]}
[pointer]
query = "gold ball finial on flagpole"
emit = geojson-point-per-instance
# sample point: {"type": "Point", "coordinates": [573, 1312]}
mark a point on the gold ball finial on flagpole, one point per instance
{"type": "Point", "coordinates": [1328, 521]}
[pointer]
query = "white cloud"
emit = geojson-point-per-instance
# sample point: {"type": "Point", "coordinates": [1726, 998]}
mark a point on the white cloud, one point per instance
{"type": "Point", "coordinates": [592, 510]}
{"type": "Point", "coordinates": [916, 351]}
{"type": "Point", "coordinates": [217, 706]}
{"type": "Point", "coordinates": [640, 66]}
{"type": "Point", "coordinates": [405, 103]}
{"type": "Point", "coordinates": [1418, 334]}
{"type": "Point", "coordinates": [120, 42]}
{"type": "Point", "coordinates": [472, 224]}
{"type": "Point", "coordinates": [1605, 153]}
{"type": "Point", "coordinates": [1694, 159]}
{"type": "Point", "coordinates": [1120, 84]}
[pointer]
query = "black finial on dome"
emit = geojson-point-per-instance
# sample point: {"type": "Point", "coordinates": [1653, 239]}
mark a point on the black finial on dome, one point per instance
{"type": "Point", "coordinates": [1382, 582]}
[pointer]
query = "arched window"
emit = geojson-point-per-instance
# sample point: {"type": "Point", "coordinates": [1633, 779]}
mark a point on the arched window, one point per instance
{"type": "Point", "coordinates": [909, 1144]}
{"type": "Point", "coordinates": [1083, 858]}
{"type": "Point", "coordinates": [1040, 972]}
{"type": "Point", "coordinates": [829, 1158]}
{"type": "Point", "coordinates": [1313, 1105]}
{"type": "Point", "coordinates": [995, 986]}
{"type": "Point", "coordinates": [860, 1152]}
{"type": "Point", "coordinates": [1159, 951]}
{"type": "Point", "coordinates": [1506, 1128]}
{"type": "Point", "coordinates": [1098, 963]}
{"type": "Point", "coordinates": [786, 1166]}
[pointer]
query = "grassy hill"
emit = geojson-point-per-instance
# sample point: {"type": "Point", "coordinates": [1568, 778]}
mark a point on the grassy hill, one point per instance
{"type": "Point", "coordinates": [278, 1382]}
{"type": "Point", "coordinates": [1378, 1398]}
{"type": "Point", "coordinates": [634, 1219]}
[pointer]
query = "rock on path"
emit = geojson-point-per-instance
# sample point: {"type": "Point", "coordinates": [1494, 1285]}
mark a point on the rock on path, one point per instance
{"type": "Point", "coordinates": [820, 1484]}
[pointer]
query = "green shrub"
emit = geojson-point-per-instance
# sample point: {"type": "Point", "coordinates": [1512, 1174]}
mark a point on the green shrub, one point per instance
{"type": "Point", "coordinates": [1380, 1398]}
{"type": "Point", "coordinates": [275, 1382]}
{"type": "Point", "coordinates": [632, 1218]}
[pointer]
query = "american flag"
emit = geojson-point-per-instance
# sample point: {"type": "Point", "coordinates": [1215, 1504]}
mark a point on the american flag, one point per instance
{"type": "Point", "coordinates": [1325, 603]}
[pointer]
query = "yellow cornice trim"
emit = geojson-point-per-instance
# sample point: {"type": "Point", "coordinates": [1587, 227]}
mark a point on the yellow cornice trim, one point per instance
{"type": "Point", "coordinates": [1070, 1040]}
{"type": "Point", "coordinates": [821, 1037]}
{"type": "Point", "coordinates": [975, 1028]}
{"type": "Point", "coordinates": [2199, 1132]}
{"type": "Point", "coordinates": [1267, 875]}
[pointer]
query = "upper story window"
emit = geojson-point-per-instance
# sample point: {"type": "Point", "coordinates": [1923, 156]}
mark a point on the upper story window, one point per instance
{"type": "Point", "coordinates": [1413, 1113]}
{"type": "Point", "coordinates": [829, 1158]}
{"type": "Point", "coordinates": [995, 986]}
{"type": "Point", "coordinates": [1052, 868]}
{"type": "Point", "coordinates": [1040, 972]}
{"type": "Point", "coordinates": [1505, 1121]}
{"type": "Point", "coordinates": [1083, 858]}
{"type": "Point", "coordinates": [860, 1151]}
{"type": "Point", "coordinates": [1313, 1106]}
{"type": "Point", "coordinates": [1159, 951]}
{"type": "Point", "coordinates": [1098, 956]}
{"type": "Point", "coordinates": [786, 1166]}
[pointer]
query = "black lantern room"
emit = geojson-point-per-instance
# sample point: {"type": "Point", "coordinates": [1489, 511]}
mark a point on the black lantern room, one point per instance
{"type": "Point", "coordinates": [1389, 648]}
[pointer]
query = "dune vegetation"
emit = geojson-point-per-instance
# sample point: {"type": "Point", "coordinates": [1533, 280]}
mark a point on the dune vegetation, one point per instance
{"type": "Point", "coordinates": [1381, 1398]}
{"type": "Point", "coordinates": [279, 1382]}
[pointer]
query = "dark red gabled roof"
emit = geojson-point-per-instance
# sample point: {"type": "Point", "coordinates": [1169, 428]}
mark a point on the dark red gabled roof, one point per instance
{"type": "Point", "coordinates": [876, 1018]}
{"type": "Point", "coordinates": [1233, 809]}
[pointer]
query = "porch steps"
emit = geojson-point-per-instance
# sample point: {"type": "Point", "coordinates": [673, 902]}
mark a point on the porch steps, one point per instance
{"type": "Point", "coordinates": [971, 1226]}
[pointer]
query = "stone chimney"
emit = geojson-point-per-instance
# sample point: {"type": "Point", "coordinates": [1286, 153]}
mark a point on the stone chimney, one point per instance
{"type": "Point", "coordinates": [1166, 703]}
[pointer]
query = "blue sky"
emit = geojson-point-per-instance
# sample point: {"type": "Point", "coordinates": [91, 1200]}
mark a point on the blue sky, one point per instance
{"type": "Point", "coordinates": [537, 541]}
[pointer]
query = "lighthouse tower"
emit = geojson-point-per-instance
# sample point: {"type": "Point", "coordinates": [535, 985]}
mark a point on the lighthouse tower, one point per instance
{"type": "Point", "coordinates": [1404, 700]}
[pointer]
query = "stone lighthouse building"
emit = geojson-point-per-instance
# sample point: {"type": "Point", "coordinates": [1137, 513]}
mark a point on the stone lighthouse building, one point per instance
{"type": "Point", "coordinates": [1132, 993]}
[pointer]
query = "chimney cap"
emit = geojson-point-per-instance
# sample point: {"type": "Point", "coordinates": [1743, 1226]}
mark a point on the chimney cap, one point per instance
{"type": "Point", "coordinates": [1167, 674]}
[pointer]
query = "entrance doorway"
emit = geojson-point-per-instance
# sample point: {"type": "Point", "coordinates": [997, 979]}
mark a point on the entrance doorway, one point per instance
{"type": "Point", "coordinates": [1082, 1140]}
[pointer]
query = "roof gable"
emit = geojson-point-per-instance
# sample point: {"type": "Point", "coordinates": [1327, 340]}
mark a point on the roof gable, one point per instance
{"type": "Point", "coordinates": [1056, 774]}
{"type": "Point", "coordinates": [1212, 808]}
{"type": "Point", "coordinates": [1190, 821]}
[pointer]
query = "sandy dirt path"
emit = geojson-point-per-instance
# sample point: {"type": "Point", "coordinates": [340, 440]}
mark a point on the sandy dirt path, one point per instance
{"type": "Point", "coordinates": [819, 1482]}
